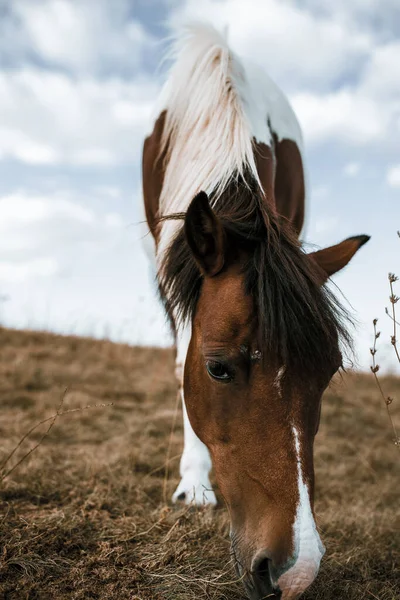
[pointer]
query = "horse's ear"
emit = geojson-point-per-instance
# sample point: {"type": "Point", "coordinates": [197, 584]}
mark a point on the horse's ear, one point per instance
{"type": "Point", "coordinates": [332, 259]}
{"type": "Point", "coordinates": [205, 235]}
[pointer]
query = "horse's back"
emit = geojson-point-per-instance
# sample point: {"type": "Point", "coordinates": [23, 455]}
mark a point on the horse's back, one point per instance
{"type": "Point", "coordinates": [271, 102]}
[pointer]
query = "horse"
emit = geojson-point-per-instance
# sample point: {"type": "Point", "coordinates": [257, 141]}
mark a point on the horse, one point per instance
{"type": "Point", "coordinates": [258, 333]}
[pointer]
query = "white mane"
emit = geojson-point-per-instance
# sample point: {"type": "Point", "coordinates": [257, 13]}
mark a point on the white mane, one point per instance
{"type": "Point", "coordinates": [207, 131]}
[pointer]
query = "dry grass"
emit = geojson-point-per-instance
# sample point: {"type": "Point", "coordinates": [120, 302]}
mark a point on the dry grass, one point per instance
{"type": "Point", "coordinates": [83, 516]}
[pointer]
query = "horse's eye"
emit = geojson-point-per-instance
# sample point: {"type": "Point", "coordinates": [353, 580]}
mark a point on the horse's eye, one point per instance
{"type": "Point", "coordinates": [219, 371]}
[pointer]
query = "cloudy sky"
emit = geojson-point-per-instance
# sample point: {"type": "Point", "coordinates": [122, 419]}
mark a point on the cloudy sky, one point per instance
{"type": "Point", "coordinates": [77, 82]}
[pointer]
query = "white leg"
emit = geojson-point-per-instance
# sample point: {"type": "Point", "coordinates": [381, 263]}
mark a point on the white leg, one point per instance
{"type": "Point", "coordinates": [195, 486]}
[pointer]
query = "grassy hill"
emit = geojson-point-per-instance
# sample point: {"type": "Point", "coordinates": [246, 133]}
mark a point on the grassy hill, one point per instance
{"type": "Point", "coordinates": [87, 515]}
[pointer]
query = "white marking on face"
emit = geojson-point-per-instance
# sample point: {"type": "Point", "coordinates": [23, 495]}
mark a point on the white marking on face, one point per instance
{"type": "Point", "coordinates": [278, 379]}
{"type": "Point", "coordinates": [308, 546]}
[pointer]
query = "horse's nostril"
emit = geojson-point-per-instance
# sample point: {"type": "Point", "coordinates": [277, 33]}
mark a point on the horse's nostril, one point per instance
{"type": "Point", "coordinates": [181, 496]}
{"type": "Point", "coordinates": [261, 569]}
{"type": "Point", "coordinates": [261, 578]}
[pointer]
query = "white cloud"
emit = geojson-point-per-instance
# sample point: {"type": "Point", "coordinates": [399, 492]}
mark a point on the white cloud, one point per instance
{"type": "Point", "coordinates": [321, 230]}
{"type": "Point", "coordinates": [321, 191]}
{"type": "Point", "coordinates": [368, 111]}
{"type": "Point", "coordinates": [338, 62]}
{"type": "Point", "coordinates": [62, 112]}
{"type": "Point", "coordinates": [83, 37]}
{"type": "Point", "coordinates": [113, 220]}
{"type": "Point", "coordinates": [51, 118]}
{"type": "Point", "coordinates": [15, 142]}
{"type": "Point", "coordinates": [351, 169]}
{"type": "Point", "coordinates": [30, 269]}
{"type": "Point", "coordinates": [108, 191]}
{"type": "Point", "coordinates": [296, 45]}
{"type": "Point", "coordinates": [21, 208]}
{"type": "Point", "coordinates": [55, 118]}
{"type": "Point", "coordinates": [393, 176]}
{"type": "Point", "coordinates": [376, 16]}
{"type": "Point", "coordinates": [344, 115]}
{"type": "Point", "coordinates": [380, 79]}
{"type": "Point", "coordinates": [325, 225]}
{"type": "Point", "coordinates": [43, 235]}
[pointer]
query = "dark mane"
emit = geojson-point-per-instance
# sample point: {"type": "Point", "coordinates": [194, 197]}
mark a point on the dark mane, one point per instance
{"type": "Point", "coordinates": [299, 321]}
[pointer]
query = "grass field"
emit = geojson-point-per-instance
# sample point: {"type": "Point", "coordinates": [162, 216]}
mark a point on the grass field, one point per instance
{"type": "Point", "coordinates": [87, 515]}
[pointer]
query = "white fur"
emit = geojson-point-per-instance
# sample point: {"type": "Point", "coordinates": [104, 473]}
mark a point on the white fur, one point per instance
{"type": "Point", "coordinates": [195, 463]}
{"type": "Point", "coordinates": [308, 546]}
{"type": "Point", "coordinates": [266, 101]}
{"type": "Point", "coordinates": [207, 128]}
{"type": "Point", "coordinates": [278, 379]}
{"type": "Point", "coordinates": [195, 467]}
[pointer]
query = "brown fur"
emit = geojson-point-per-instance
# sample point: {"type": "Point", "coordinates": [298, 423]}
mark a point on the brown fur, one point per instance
{"type": "Point", "coordinates": [281, 175]}
{"type": "Point", "coordinates": [153, 174]}
{"type": "Point", "coordinates": [289, 183]}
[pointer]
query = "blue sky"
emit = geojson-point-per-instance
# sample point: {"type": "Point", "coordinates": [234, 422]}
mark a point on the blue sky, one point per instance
{"type": "Point", "coordinates": [77, 83]}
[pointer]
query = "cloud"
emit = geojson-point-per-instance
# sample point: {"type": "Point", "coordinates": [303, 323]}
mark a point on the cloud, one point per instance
{"type": "Point", "coordinates": [30, 269]}
{"type": "Point", "coordinates": [393, 176]}
{"type": "Point", "coordinates": [325, 225]}
{"type": "Point", "coordinates": [41, 236]}
{"type": "Point", "coordinates": [340, 75]}
{"type": "Point", "coordinates": [368, 111]}
{"type": "Point", "coordinates": [51, 118]}
{"type": "Point", "coordinates": [297, 46]}
{"type": "Point", "coordinates": [321, 192]}
{"type": "Point", "coordinates": [108, 191]}
{"type": "Point", "coordinates": [65, 95]}
{"type": "Point", "coordinates": [378, 17]}
{"type": "Point", "coordinates": [343, 115]}
{"type": "Point", "coordinates": [351, 169]}
{"type": "Point", "coordinates": [337, 62]}
{"type": "Point", "coordinates": [82, 37]}
{"type": "Point", "coordinates": [378, 79]}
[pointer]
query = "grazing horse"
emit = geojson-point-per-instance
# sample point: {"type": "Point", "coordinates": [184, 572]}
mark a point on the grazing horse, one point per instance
{"type": "Point", "coordinates": [258, 333]}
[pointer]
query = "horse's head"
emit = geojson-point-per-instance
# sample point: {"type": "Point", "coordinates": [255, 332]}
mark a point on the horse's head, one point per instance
{"type": "Point", "coordinates": [264, 346]}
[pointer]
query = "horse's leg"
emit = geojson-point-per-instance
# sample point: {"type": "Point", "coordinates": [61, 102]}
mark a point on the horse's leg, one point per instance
{"type": "Point", "coordinates": [195, 463]}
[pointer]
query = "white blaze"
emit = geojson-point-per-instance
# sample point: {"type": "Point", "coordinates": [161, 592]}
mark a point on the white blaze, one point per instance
{"type": "Point", "coordinates": [308, 546]}
{"type": "Point", "coordinates": [278, 380]}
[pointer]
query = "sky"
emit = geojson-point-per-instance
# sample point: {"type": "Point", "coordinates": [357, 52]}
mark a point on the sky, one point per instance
{"type": "Point", "coordinates": [78, 80]}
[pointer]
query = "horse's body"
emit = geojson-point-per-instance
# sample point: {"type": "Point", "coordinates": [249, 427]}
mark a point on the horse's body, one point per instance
{"type": "Point", "coordinates": [256, 331]}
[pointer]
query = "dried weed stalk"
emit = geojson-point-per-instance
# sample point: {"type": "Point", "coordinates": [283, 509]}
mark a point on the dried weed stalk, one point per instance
{"type": "Point", "coordinates": [3, 472]}
{"type": "Point", "coordinates": [388, 400]}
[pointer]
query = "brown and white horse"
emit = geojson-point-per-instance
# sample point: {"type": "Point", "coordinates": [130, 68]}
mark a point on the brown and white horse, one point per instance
{"type": "Point", "coordinates": [258, 334]}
